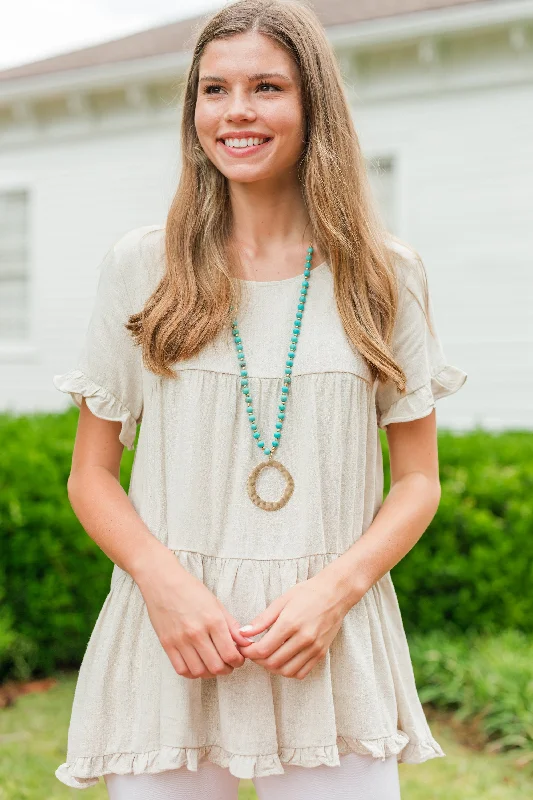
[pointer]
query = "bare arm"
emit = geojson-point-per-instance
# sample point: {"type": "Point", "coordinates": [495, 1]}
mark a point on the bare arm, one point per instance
{"type": "Point", "coordinates": [196, 631]}
{"type": "Point", "coordinates": [100, 502]}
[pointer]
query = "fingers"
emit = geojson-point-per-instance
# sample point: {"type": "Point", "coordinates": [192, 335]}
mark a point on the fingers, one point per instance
{"type": "Point", "coordinates": [205, 653]}
{"type": "Point", "coordinates": [306, 669]}
{"type": "Point", "coordinates": [233, 626]}
{"type": "Point", "coordinates": [290, 648]}
{"type": "Point", "coordinates": [225, 645]}
{"type": "Point", "coordinates": [275, 638]}
{"type": "Point", "coordinates": [297, 667]}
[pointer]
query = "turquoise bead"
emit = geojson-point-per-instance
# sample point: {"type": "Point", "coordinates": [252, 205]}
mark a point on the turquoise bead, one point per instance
{"type": "Point", "coordinates": [289, 364]}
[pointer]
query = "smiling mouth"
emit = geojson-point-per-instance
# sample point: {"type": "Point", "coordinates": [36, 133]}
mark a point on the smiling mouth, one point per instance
{"type": "Point", "coordinates": [248, 148]}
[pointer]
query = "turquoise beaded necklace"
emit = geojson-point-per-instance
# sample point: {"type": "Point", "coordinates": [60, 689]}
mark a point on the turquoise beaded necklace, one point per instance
{"type": "Point", "coordinates": [270, 451]}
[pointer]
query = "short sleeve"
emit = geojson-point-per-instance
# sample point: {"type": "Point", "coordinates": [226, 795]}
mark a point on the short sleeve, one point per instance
{"type": "Point", "coordinates": [418, 350]}
{"type": "Point", "coordinates": [108, 370]}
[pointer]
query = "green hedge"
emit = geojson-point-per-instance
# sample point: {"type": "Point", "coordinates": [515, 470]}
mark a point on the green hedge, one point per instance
{"type": "Point", "coordinates": [485, 680]}
{"type": "Point", "coordinates": [53, 577]}
{"type": "Point", "coordinates": [472, 568]}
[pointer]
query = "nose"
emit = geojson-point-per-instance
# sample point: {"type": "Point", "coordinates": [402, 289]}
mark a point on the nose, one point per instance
{"type": "Point", "coordinates": [239, 106]}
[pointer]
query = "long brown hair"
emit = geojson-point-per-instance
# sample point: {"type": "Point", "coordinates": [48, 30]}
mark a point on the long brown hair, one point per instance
{"type": "Point", "coordinates": [191, 304]}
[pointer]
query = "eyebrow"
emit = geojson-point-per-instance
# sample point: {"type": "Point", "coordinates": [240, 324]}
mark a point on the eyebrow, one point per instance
{"type": "Point", "coordinates": [259, 76]}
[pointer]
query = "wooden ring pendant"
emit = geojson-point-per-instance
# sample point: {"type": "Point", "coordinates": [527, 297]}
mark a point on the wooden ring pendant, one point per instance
{"type": "Point", "coordinates": [266, 504]}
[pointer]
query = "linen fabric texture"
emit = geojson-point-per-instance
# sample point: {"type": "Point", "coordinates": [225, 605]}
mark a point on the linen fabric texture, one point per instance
{"type": "Point", "coordinates": [132, 713]}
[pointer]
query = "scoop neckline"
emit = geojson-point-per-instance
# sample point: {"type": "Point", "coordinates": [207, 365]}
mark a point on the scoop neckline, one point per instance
{"type": "Point", "coordinates": [294, 278]}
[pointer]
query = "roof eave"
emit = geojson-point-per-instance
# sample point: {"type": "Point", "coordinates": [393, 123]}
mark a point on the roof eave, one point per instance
{"type": "Point", "coordinates": [364, 34]}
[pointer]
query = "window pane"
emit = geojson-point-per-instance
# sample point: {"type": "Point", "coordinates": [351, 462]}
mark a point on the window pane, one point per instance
{"type": "Point", "coordinates": [13, 261]}
{"type": "Point", "coordinates": [13, 212]}
{"type": "Point", "coordinates": [13, 306]}
{"type": "Point", "coordinates": [381, 176]}
{"type": "Point", "coordinates": [14, 265]}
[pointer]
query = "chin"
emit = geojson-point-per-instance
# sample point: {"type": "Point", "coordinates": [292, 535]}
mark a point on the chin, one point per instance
{"type": "Point", "coordinates": [242, 176]}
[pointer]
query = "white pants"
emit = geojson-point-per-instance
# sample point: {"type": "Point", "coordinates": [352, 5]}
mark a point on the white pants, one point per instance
{"type": "Point", "coordinates": [357, 777]}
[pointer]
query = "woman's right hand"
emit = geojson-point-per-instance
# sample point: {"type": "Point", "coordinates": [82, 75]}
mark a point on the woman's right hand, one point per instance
{"type": "Point", "coordinates": [196, 631]}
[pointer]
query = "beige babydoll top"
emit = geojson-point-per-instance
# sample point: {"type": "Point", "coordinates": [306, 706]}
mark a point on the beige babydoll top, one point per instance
{"type": "Point", "coordinates": [132, 712]}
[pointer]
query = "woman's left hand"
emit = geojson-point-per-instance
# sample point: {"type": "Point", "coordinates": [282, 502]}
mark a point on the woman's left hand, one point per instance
{"type": "Point", "coordinates": [305, 620]}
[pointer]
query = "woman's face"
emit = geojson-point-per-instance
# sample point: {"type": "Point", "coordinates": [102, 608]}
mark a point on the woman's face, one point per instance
{"type": "Point", "coordinates": [241, 99]}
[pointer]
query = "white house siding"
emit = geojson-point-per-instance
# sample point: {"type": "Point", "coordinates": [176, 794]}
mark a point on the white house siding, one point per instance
{"type": "Point", "coordinates": [85, 193]}
{"type": "Point", "coordinates": [464, 199]}
{"type": "Point", "coordinates": [460, 135]}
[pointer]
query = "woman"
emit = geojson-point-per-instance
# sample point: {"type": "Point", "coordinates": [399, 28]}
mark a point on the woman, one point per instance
{"type": "Point", "coordinates": [272, 322]}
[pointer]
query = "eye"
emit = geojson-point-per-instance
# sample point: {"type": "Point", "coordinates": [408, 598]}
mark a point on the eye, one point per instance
{"type": "Point", "coordinates": [212, 86]}
{"type": "Point", "coordinates": [272, 86]}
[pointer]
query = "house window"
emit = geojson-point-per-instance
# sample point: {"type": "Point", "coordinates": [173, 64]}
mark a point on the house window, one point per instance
{"type": "Point", "coordinates": [14, 265]}
{"type": "Point", "coordinates": [381, 176]}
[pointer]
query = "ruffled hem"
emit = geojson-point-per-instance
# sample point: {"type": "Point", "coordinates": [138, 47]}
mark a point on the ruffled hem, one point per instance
{"type": "Point", "coordinates": [84, 772]}
{"type": "Point", "coordinates": [129, 698]}
{"type": "Point", "coordinates": [421, 402]}
{"type": "Point", "coordinates": [100, 401]}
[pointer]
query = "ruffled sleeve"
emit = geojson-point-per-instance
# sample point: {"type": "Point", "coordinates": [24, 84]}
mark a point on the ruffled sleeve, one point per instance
{"type": "Point", "coordinates": [108, 370]}
{"type": "Point", "coordinates": [418, 350]}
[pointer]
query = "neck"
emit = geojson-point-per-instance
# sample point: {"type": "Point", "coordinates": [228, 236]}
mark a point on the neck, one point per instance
{"type": "Point", "coordinates": [269, 218]}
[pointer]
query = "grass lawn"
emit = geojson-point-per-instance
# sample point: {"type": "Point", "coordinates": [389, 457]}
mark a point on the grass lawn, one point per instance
{"type": "Point", "coordinates": [33, 737]}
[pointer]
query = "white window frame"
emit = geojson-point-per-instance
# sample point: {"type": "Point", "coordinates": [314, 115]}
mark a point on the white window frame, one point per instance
{"type": "Point", "coordinates": [22, 349]}
{"type": "Point", "coordinates": [399, 205]}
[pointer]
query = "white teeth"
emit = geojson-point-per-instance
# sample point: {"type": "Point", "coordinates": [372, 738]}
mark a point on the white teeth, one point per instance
{"type": "Point", "coordinates": [243, 142]}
